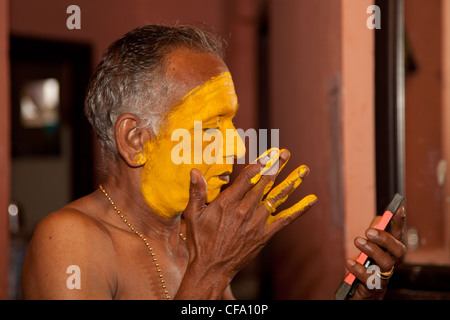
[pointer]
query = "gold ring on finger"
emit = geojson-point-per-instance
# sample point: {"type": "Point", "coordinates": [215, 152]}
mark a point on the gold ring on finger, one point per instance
{"type": "Point", "coordinates": [386, 275]}
{"type": "Point", "coordinates": [269, 206]}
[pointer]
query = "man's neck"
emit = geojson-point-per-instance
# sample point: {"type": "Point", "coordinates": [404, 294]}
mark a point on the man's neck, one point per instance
{"type": "Point", "coordinates": [125, 192]}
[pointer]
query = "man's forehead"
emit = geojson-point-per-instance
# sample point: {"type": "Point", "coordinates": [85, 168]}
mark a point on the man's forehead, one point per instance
{"type": "Point", "coordinates": [192, 68]}
{"type": "Point", "coordinates": [215, 97]}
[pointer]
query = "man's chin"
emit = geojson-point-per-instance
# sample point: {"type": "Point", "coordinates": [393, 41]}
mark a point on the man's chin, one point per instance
{"type": "Point", "coordinates": [212, 194]}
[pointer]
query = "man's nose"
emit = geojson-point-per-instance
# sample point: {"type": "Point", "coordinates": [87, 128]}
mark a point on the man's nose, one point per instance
{"type": "Point", "coordinates": [234, 145]}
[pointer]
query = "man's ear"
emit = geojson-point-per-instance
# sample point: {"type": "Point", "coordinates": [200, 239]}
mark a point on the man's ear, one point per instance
{"type": "Point", "coordinates": [130, 139]}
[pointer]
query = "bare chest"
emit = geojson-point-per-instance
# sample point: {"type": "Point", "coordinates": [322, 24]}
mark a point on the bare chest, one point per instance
{"type": "Point", "coordinates": [147, 273]}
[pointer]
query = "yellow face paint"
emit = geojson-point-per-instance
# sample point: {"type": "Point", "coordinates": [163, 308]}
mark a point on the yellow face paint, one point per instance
{"type": "Point", "coordinates": [140, 159]}
{"type": "Point", "coordinates": [165, 184]}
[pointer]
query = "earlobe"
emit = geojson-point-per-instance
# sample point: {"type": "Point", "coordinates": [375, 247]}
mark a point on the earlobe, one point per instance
{"type": "Point", "coordinates": [140, 159]}
{"type": "Point", "coordinates": [130, 139]}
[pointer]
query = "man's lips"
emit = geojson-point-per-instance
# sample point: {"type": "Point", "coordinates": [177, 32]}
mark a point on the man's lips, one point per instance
{"type": "Point", "coordinates": [225, 176]}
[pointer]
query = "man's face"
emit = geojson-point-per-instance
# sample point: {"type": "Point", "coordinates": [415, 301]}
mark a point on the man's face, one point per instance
{"type": "Point", "coordinates": [195, 132]}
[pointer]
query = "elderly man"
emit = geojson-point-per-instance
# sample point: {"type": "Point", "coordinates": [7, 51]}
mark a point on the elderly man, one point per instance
{"type": "Point", "coordinates": [157, 228]}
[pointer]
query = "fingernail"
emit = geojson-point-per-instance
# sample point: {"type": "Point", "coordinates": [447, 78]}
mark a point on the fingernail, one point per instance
{"type": "Point", "coordinates": [312, 200]}
{"type": "Point", "coordinates": [303, 171]}
{"type": "Point", "coordinates": [193, 178]}
{"type": "Point", "coordinates": [267, 159]}
{"type": "Point", "coordinates": [372, 233]}
{"type": "Point", "coordinates": [271, 167]}
{"type": "Point", "coordinates": [285, 154]}
{"type": "Point", "coordinates": [361, 241]}
{"type": "Point", "coordinates": [351, 262]}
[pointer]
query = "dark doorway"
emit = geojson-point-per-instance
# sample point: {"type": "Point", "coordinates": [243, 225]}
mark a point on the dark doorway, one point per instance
{"type": "Point", "coordinates": [51, 138]}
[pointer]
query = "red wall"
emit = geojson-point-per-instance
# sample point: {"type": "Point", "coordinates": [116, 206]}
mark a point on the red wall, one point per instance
{"type": "Point", "coordinates": [4, 146]}
{"type": "Point", "coordinates": [423, 101]}
{"type": "Point", "coordinates": [321, 97]}
{"type": "Point", "coordinates": [322, 102]}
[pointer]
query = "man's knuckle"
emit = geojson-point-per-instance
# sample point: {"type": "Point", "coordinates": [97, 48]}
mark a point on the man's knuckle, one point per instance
{"type": "Point", "coordinates": [252, 171]}
{"type": "Point", "coordinates": [386, 264]}
{"type": "Point", "coordinates": [401, 251]}
{"type": "Point", "coordinates": [195, 194]}
{"type": "Point", "coordinates": [267, 178]}
{"type": "Point", "coordinates": [241, 210]}
{"type": "Point", "coordinates": [223, 202]}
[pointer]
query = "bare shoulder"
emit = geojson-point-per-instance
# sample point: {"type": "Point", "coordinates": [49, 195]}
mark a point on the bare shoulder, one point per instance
{"type": "Point", "coordinates": [69, 257]}
{"type": "Point", "coordinates": [70, 228]}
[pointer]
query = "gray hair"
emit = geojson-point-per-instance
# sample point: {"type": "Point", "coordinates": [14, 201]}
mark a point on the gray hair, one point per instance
{"type": "Point", "coordinates": [131, 77]}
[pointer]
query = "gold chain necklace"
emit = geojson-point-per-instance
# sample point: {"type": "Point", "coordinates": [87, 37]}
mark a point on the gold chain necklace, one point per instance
{"type": "Point", "coordinates": [150, 249]}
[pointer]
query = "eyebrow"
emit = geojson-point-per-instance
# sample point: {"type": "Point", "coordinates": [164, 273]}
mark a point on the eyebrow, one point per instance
{"type": "Point", "coordinates": [227, 111]}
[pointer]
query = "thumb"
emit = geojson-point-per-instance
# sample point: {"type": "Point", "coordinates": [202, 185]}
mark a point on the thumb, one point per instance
{"type": "Point", "coordinates": [197, 193]}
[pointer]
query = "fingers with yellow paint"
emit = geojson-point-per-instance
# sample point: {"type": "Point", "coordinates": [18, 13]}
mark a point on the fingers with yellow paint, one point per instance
{"type": "Point", "coordinates": [272, 182]}
{"type": "Point", "coordinates": [293, 212]}
{"type": "Point", "coordinates": [268, 159]}
{"type": "Point", "coordinates": [280, 193]}
{"type": "Point", "coordinates": [271, 161]}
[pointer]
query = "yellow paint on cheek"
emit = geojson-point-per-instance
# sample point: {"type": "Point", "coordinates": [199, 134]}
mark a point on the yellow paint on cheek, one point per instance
{"type": "Point", "coordinates": [165, 185]}
{"type": "Point", "coordinates": [164, 188]}
{"type": "Point", "coordinates": [298, 208]}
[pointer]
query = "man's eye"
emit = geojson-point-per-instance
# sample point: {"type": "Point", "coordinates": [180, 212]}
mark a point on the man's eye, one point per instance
{"type": "Point", "coordinates": [214, 126]}
{"type": "Point", "coordinates": [212, 130]}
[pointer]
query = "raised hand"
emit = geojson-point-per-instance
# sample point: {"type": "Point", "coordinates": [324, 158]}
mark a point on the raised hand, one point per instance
{"type": "Point", "coordinates": [226, 234]}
